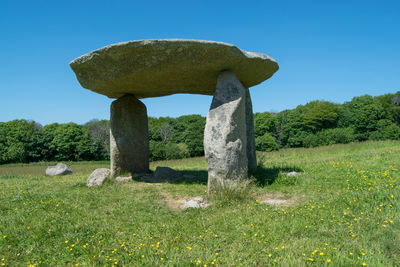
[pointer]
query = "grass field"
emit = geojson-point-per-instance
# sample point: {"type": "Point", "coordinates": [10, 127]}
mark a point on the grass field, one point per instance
{"type": "Point", "coordinates": [343, 210]}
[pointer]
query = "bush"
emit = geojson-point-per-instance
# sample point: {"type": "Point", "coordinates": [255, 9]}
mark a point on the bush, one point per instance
{"type": "Point", "coordinates": [264, 122]}
{"type": "Point", "coordinates": [160, 151]}
{"type": "Point", "coordinates": [189, 129]}
{"type": "Point", "coordinates": [311, 140]}
{"type": "Point", "coordinates": [266, 142]}
{"type": "Point", "coordinates": [362, 113]}
{"type": "Point", "coordinates": [70, 141]}
{"type": "Point", "coordinates": [391, 132]}
{"type": "Point", "coordinates": [330, 137]}
{"type": "Point", "coordinates": [17, 141]}
{"type": "Point", "coordinates": [99, 134]}
{"type": "Point", "coordinates": [320, 115]}
{"type": "Point", "coordinates": [176, 151]}
{"type": "Point", "coordinates": [338, 136]}
{"type": "Point", "coordinates": [157, 150]}
{"type": "Point", "coordinates": [297, 139]}
{"type": "Point", "coordinates": [385, 130]}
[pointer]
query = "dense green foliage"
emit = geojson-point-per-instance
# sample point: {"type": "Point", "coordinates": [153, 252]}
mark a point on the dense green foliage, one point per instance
{"type": "Point", "coordinates": [342, 210]}
{"type": "Point", "coordinates": [324, 123]}
{"type": "Point", "coordinates": [266, 142]}
{"type": "Point", "coordinates": [176, 138]}
{"type": "Point", "coordinates": [27, 141]}
{"type": "Point", "coordinates": [314, 124]}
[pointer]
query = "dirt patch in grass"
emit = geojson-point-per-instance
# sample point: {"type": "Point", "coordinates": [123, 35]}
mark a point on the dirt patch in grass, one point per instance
{"type": "Point", "coordinates": [183, 203]}
{"type": "Point", "coordinates": [172, 203]}
{"type": "Point", "coordinates": [280, 200]}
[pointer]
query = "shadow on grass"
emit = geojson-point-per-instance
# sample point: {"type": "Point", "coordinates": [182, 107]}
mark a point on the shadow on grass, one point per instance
{"type": "Point", "coordinates": [188, 177]}
{"type": "Point", "coordinates": [263, 176]}
{"type": "Point", "coordinates": [266, 176]}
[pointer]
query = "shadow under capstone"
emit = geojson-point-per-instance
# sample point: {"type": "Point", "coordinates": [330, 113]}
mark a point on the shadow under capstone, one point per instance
{"type": "Point", "coordinates": [188, 177]}
{"type": "Point", "coordinates": [267, 175]}
{"type": "Point", "coordinates": [264, 176]}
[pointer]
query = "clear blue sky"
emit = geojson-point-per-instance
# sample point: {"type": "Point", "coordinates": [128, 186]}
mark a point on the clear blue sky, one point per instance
{"type": "Point", "coordinates": [327, 50]}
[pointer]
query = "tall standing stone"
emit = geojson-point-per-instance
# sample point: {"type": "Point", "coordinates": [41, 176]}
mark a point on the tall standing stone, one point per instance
{"type": "Point", "coordinates": [225, 134]}
{"type": "Point", "coordinates": [251, 144]}
{"type": "Point", "coordinates": [129, 137]}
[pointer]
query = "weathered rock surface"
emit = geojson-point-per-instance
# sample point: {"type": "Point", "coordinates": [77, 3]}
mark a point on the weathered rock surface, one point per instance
{"type": "Point", "coordinates": [149, 68]}
{"type": "Point", "coordinates": [129, 137]}
{"type": "Point", "coordinates": [58, 170]}
{"type": "Point", "coordinates": [225, 134]}
{"type": "Point", "coordinates": [166, 172]}
{"type": "Point", "coordinates": [182, 204]}
{"type": "Point", "coordinates": [98, 177]}
{"type": "Point", "coordinates": [251, 143]}
{"type": "Point", "coordinates": [196, 202]}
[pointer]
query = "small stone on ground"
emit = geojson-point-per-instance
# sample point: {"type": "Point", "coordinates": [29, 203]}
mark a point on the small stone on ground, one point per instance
{"type": "Point", "coordinates": [196, 202]}
{"type": "Point", "coordinates": [293, 173]}
{"type": "Point", "coordinates": [182, 204]}
{"type": "Point", "coordinates": [59, 169]}
{"type": "Point", "coordinates": [98, 177]}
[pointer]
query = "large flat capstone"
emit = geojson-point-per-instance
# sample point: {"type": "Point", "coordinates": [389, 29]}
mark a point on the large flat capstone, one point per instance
{"type": "Point", "coordinates": [151, 68]}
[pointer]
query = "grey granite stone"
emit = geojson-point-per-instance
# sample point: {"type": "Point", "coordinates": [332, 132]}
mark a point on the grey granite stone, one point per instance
{"type": "Point", "coordinates": [58, 170]}
{"type": "Point", "coordinates": [150, 68]}
{"type": "Point", "coordinates": [225, 135]}
{"type": "Point", "coordinates": [129, 137]}
{"type": "Point", "coordinates": [98, 177]}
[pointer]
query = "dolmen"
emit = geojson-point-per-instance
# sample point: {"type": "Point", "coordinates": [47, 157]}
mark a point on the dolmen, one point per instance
{"type": "Point", "coordinates": [133, 70]}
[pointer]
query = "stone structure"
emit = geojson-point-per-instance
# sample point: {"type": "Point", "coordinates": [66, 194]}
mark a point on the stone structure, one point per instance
{"type": "Point", "coordinates": [129, 137]}
{"type": "Point", "coordinates": [150, 68]}
{"type": "Point", "coordinates": [225, 134]}
{"type": "Point", "coordinates": [251, 142]}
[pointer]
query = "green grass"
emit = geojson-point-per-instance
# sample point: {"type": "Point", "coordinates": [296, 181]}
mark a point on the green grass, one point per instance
{"type": "Point", "coordinates": [344, 212]}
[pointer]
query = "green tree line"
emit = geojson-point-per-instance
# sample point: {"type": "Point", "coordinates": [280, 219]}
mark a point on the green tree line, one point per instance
{"type": "Point", "coordinates": [314, 124]}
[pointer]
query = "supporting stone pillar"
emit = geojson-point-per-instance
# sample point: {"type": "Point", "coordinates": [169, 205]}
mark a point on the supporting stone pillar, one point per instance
{"type": "Point", "coordinates": [129, 137]}
{"type": "Point", "coordinates": [225, 135]}
{"type": "Point", "coordinates": [251, 144]}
